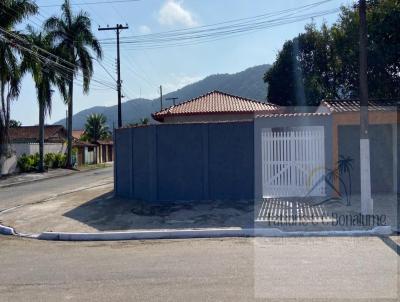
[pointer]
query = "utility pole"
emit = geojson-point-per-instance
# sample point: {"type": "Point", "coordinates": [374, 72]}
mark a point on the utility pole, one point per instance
{"type": "Point", "coordinates": [161, 97]}
{"type": "Point", "coordinates": [118, 29]}
{"type": "Point", "coordinates": [172, 99]}
{"type": "Point", "coordinates": [367, 204]}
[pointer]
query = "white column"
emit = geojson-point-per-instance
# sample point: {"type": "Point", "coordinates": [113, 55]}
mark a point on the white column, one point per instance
{"type": "Point", "coordinates": [367, 204]}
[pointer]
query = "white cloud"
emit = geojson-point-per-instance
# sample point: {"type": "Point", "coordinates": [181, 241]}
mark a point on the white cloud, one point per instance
{"type": "Point", "coordinates": [144, 29]}
{"type": "Point", "coordinates": [172, 13]}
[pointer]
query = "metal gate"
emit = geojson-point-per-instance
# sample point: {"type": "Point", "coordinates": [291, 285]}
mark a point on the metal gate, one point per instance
{"type": "Point", "coordinates": [293, 162]}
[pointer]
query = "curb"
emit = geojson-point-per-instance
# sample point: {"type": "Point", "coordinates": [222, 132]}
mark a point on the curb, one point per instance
{"type": "Point", "coordinates": [190, 233]}
{"type": "Point", "coordinates": [7, 230]}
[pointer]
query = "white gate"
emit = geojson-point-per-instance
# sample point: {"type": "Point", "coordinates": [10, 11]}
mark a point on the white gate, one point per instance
{"type": "Point", "coordinates": [293, 162]}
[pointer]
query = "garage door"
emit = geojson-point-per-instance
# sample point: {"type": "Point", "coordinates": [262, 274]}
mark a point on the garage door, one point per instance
{"type": "Point", "coordinates": [293, 162]}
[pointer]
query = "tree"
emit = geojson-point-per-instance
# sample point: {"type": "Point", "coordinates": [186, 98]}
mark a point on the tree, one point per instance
{"type": "Point", "coordinates": [45, 76]}
{"type": "Point", "coordinates": [12, 12]}
{"type": "Point", "coordinates": [323, 63]}
{"type": "Point", "coordinates": [73, 36]}
{"type": "Point", "coordinates": [14, 124]}
{"type": "Point", "coordinates": [96, 128]}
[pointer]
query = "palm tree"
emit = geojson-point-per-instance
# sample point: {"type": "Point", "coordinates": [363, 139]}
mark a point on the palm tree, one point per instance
{"type": "Point", "coordinates": [44, 76]}
{"type": "Point", "coordinates": [12, 12]}
{"type": "Point", "coordinates": [96, 128]}
{"type": "Point", "coordinates": [73, 36]}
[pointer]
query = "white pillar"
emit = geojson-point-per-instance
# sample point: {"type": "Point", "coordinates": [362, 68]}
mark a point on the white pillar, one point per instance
{"type": "Point", "coordinates": [367, 204]}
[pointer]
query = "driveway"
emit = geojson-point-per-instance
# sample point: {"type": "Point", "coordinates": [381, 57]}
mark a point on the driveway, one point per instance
{"type": "Point", "coordinates": [200, 270]}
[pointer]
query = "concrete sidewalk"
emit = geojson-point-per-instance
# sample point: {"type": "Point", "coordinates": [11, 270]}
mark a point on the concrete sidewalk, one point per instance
{"type": "Point", "coordinates": [94, 209]}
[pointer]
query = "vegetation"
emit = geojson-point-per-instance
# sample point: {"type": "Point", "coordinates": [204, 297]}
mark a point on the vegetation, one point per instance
{"type": "Point", "coordinates": [72, 35]}
{"type": "Point", "coordinates": [323, 63]}
{"type": "Point", "coordinates": [68, 38]}
{"type": "Point", "coordinates": [44, 77]}
{"type": "Point", "coordinates": [96, 128]}
{"type": "Point", "coordinates": [29, 163]}
{"type": "Point", "coordinates": [12, 12]}
{"type": "Point", "coordinates": [14, 124]}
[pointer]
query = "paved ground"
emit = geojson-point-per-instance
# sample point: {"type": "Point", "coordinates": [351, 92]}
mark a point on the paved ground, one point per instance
{"type": "Point", "coordinates": [93, 208]}
{"type": "Point", "coordinates": [37, 191]}
{"type": "Point", "coordinates": [84, 202]}
{"type": "Point", "coordinates": [9, 180]}
{"type": "Point", "coordinates": [200, 270]}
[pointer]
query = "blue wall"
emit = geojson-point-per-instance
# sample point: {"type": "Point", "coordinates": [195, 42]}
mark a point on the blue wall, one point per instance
{"type": "Point", "coordinates": [205, 161]}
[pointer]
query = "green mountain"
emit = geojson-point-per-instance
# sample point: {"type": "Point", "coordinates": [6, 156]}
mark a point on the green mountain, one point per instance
{"type": "Point", "coordinates": [248, 83]}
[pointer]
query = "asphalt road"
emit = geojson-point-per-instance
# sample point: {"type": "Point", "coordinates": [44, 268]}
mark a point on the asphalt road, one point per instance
{"type": "Point", "coordinates": [199, 270]}
{"type": "Point", "coordinates": [39, 190]}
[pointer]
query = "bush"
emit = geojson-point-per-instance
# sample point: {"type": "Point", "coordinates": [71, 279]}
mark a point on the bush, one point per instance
{"type": "Point", "coordinates": [59, 160]}
{"type": "Point", "coordinates": [27, 163]}
{"type": "Point", "coordinates": [49, 160]}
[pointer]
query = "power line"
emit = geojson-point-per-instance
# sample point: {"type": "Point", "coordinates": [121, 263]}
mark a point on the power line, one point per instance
{"type": "Point", "coordinates": [118, 28]}
{"type": "Point", "coordinates": [226, 24]}
{"type": "Point", "coordinates": [92, 3]}
{"type": "Point", "coordinates": [187, 40]}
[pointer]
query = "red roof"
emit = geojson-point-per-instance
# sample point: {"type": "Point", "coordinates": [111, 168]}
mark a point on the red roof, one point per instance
{"type": "Point", "coordinates": [216, 102]}
{"type": "Point", "coordinates": [77, 133]}
{"type": "Point", "coordinates": [354, 105]}
{"type": "Point", "coordinates": [52, 133]}
{"type": "Point", "coordinates": [294, 114]}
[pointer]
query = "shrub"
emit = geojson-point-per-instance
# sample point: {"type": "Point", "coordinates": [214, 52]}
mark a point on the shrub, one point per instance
{"type": "Point", "coordinates": [49, 160]}
{"type": "Point", "coordinates": [59, 160]}
{"type": "Point", "coordinates": [27, 163]}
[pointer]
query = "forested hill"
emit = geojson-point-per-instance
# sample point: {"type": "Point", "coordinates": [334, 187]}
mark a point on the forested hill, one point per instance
{"type": "Point", "coordinates": [248, 83]}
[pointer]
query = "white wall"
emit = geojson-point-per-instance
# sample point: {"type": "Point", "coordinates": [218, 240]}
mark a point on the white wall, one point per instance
{"type": "Point", "coordinates": [32, 148]}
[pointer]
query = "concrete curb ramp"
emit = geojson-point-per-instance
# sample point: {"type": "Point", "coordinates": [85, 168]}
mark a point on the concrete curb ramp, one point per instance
{"type": "Point", "coordinates": [191, 233]}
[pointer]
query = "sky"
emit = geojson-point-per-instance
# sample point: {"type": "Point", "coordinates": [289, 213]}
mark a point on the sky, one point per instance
{"type": "Point", "coordinates": [144, 70]}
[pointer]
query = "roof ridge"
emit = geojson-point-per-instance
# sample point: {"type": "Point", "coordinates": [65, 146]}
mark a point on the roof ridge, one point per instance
{"type": "Point", "coordinates": [246, 98]}
{"type": "Point", "coordinates": [220, 92]}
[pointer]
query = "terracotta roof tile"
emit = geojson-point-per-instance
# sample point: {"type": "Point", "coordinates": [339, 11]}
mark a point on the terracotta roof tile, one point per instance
{"type": "Point", "coordinates": [354, 105]}
{"type": "Point", "coordinates": [77, 133]}
{"type": "Point", "coordinates": [216, 102]}
{"type": "Point", "coordinates": [52, 133]}
{"type": "Point", "coordinates": [293, 114]}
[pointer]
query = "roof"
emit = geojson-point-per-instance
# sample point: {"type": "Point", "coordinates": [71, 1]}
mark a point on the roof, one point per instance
{"type": "Point", "coordinates": [216, 102]}
{"type": "Point", "coordinates": [105, 142]}
{"type": "Point", "coordinates": [80, 143]}
{"type": "Point", "coordinates": [52, 133]}
{"type": "Point", "coordinates": [337, 106]}
{"type": "Point", "coordinates": [77, 133]}
{"type": "Point", "coordinates": [294, 114]}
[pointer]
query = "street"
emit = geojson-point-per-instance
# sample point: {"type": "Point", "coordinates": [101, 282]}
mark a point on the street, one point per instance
{"type": "Point", "coordinates": [39, 190]}
{"type": "Point", "coordinates": [199, 270]}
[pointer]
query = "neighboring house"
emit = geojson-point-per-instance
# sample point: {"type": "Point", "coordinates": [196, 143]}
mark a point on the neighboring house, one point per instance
{"type": "Point", "coordinates": [86, 152]}
{"type": "Point", "coordinates": [214, 106]}
{"type": "Point", "coordinates": [100, 151]}
{"type": "Point", "coordinates": [233, 153]}
{"type": "Point", "coordinates": [25, 139]}
{"type": "Point", "coordinates": [383, 132]}
{"type": "Point", "coordinates": [105, 150]}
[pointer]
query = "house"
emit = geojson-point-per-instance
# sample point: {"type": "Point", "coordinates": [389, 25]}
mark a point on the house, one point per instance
{"type": "Point", "coordinates": [253, 155]}
{"type": "Point", "coordinates": [25, 139]}
{"type": "Point", "coordinates": [214, 106]}
{"type": "Point", "coordinates": [383, 133]}
{"type": "Point", "coordinates": [86, 152]}
{"type": "Point", "coordinates": [100, 151]}
{"type": "Point", "coordinates": [105, 150]}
